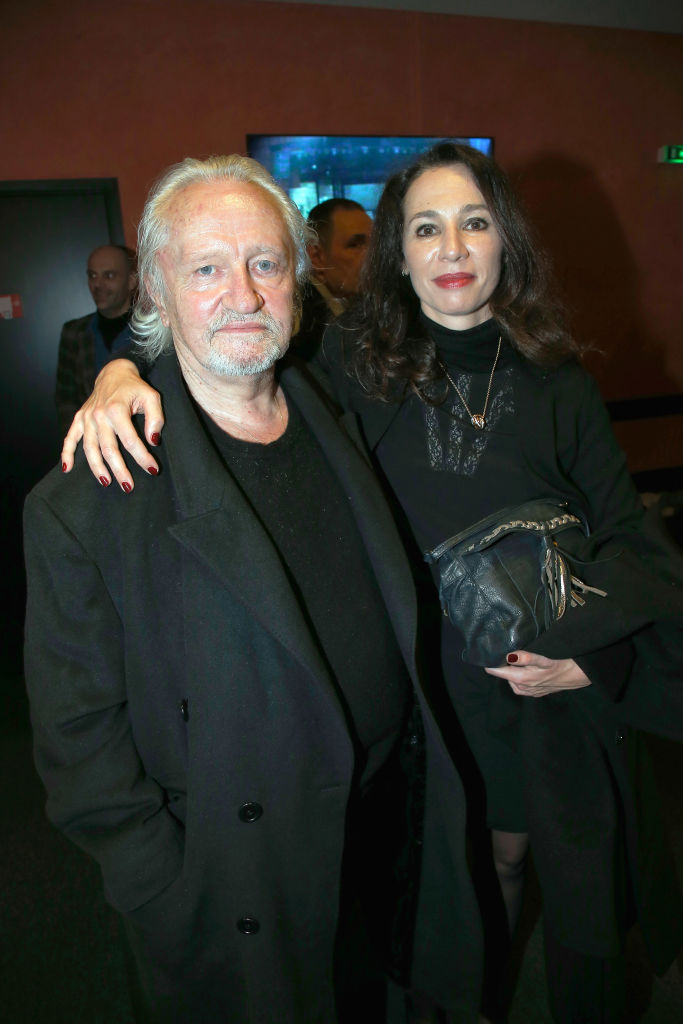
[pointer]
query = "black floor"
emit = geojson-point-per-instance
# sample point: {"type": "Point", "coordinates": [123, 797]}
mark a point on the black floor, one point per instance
{"type": "Point", "coordinates": [652, 1000]}
{"type": "Point", "coordinates": [60, 958]}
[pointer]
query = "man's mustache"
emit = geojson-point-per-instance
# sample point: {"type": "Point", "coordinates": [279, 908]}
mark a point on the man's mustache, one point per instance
{"type": "Point", "coordinates": [230, 316]}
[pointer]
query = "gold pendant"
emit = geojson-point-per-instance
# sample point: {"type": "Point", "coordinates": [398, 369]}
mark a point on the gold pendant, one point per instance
{"type": "Point", "coordinates": [478, 421]}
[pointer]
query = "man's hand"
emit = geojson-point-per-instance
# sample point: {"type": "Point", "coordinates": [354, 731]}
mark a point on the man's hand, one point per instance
{"type": "Point", "coordinates": [532, 675]}
{"type": "Point", "coordinates": [119, 393]}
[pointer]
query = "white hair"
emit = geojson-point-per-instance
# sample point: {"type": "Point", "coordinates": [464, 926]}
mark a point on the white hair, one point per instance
{"type": "Point", "coordinates": [153, 232]}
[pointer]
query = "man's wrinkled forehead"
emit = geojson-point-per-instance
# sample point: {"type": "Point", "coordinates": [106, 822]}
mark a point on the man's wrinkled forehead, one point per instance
{"type": "Point", "coordinates": [224, 210]}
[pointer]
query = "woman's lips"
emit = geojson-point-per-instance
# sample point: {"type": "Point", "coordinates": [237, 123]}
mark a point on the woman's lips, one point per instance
{"type": "Point", "coordinates": [453, 280]}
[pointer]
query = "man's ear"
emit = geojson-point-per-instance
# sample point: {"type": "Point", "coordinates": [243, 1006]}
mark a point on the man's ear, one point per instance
{"type": "Point", "coordinates": [319, 259]}
{"type": "Point", "coordinates": [158, 301]}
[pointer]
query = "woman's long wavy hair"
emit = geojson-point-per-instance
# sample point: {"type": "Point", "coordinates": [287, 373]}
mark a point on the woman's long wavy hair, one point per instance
{"type": "Point", "coordinates": [393, 351]}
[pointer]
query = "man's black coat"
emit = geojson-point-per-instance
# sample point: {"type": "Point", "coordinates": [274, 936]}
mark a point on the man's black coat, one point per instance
{"type": "Point", "coordinates": [191, 740]}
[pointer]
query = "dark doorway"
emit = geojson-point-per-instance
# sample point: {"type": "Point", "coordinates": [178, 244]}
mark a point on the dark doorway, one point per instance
{"type": "Point", "coordinates": [48, 228]}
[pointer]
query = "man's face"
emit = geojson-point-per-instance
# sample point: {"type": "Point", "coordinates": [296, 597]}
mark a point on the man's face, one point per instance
{"type": "Point", "coordinates": [339, 263]}
{"type": "Point", "coordinates": [228, 270]}
{"type": "Point", "coordinates": [110, 281]}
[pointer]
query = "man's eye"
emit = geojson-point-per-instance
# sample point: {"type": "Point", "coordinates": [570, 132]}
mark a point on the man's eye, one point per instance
{"type": "Point", "coordinates": [265, 266]}
{"type": "Point", "coordinates": [206, 271]}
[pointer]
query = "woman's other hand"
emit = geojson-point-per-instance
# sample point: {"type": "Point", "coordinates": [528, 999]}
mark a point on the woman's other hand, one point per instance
{"type": "Point", "coordinates": [119, 393]}
{"type": "Point", "coordinates": [532, 675]}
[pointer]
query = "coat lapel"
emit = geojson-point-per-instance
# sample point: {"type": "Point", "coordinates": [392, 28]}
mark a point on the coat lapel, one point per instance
{"type": "Point", "coordinates": [217, 525]}
{"type": "Point", "coordinates": [376, 418]}
{"type": "Point", "coordinates": [373, 518]}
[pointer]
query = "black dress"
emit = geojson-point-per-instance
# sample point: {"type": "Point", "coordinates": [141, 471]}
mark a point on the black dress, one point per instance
{"type": "Point", "coordinates": [445, 475]}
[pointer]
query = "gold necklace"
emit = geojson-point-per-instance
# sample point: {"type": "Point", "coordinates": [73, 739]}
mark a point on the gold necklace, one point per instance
{"type": "Point", "coordinates": [478, 419]}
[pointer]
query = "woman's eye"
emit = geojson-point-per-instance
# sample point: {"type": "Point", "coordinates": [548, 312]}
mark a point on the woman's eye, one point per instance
{"type": "Point", "coordinates": [426, 230]}
{"type": "Point", "coordinates": [476, 224]}
{"type": "Point", "coordinates": [206, 271]}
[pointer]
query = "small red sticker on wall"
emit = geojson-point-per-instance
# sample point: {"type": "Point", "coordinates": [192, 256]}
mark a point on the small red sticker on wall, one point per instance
{"type": "Point", "coordinates": [10, 307]}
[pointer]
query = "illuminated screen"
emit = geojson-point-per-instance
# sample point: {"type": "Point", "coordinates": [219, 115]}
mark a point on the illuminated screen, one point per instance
{"type": "Point", "coordinates": [313, 168]}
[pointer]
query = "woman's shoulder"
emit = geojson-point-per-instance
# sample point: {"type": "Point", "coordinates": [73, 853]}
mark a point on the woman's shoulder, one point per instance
{"type": "Point", "coordinates": [568, 380]}
{"type": "Point", "coordinates": [568, 370]}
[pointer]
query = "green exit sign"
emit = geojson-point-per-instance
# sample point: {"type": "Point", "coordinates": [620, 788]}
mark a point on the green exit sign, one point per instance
{"type": "Point", "coordinates": [670, 155]}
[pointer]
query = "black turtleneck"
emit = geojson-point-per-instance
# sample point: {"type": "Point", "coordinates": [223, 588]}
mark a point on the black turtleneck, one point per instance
{"type": "Point", "coordinates": [444, 473]}
{"type": "Point", "coordinates": [472, 350]}
{"type": "Point", "coordinates": [111, 326]}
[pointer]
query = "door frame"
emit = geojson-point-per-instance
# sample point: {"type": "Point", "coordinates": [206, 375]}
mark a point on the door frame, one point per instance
{"type": "Point", "coordinates": [107, 188]}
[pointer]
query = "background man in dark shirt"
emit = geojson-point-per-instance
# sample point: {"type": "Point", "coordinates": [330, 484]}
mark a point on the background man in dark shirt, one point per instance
{"type": "Point", "coordinates": [343, 229]}
{"type": "Point", "coordinates": [87, 343]}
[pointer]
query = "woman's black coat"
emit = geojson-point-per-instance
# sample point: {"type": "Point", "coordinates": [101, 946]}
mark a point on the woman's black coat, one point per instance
{"type": "Point", "coordinates": [589, 792]}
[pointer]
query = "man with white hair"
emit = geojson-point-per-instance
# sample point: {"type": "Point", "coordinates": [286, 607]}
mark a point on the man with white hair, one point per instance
{"type": "Point", "coordinates": [220, 692]}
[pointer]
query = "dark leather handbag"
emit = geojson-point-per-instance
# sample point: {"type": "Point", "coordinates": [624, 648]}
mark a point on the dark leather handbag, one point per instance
{"type": "Point", "coordinates": [506, 579]}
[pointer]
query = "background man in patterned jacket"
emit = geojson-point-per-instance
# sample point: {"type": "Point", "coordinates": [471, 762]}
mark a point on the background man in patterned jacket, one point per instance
{"type": "Point", "coordinates": [87, 343]}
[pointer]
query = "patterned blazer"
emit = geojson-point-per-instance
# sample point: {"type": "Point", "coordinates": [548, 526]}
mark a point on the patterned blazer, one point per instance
{"type": "Point", "coordinates": [82, 353]}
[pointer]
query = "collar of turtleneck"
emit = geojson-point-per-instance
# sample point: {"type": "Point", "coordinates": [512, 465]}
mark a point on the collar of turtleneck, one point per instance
{"type": "Point", "coordinates": [472, 350]}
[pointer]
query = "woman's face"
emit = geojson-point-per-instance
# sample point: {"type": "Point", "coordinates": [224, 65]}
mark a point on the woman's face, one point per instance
{"type": "Point", "coordinates": [451, 247]}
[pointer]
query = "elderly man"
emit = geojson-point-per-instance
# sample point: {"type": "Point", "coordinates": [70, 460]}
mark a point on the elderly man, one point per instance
{"type": "Point", "coordinates": [342, 234]}
{"type": "Point", "coordinates": [220, 692]}
{"type": "Point", "coordinates": [87, 343]}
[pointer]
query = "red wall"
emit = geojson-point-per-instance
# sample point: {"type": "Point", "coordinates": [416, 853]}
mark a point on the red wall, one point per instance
{"type": "Point", "coordinates": [577, 115]}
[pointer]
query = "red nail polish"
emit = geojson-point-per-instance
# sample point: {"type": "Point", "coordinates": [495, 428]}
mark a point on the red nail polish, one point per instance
{"type": "Point", "coordinates": [155, 438]}
{"type": "Point", "coordinates": [125, 486]}
{"type": "Point", "coordinates": [104, 481]}
{"type": "Point", "coordinates": [512, 658]}
{"type": "Point", "coordinates": [152, 470]}
{"type": "Point", "coordinates": [64, 467]}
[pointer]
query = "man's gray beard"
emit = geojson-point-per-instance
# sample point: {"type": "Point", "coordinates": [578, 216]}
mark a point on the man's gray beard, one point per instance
{"type": "Point", "coordinates": [228, 364]}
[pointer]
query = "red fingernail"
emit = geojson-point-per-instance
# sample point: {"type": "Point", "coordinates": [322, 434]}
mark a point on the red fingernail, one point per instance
{"type": "Point", "coordinates": [64, 467]}
{"type": "Point", "coordinates": [104, 481]}
{"type": "Point", "coordinates": [512, 658]}
{"type": "Point", "coordinates": [155, 438]}
{"type": "Point", "coordinates": [152, 470]}
{"type": "Point", "coordinates": [125, 486]}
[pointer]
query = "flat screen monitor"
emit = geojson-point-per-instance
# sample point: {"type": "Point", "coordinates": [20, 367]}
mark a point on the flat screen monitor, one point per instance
{"type": "Point", "coordinates": [313, 168]}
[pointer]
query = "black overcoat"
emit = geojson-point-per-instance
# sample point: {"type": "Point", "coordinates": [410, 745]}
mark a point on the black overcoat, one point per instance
{"type": "Point", "coordinates": [191, 740]}
{"type": "Point", "coordinates": [589, 793]}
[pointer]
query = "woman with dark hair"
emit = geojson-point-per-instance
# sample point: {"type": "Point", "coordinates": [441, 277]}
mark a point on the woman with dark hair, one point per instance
{"type": "Point", "coordinates": [454, 292]}
{"type": "Point", "coordinates": [466, 386]}
{"type": "Point", "coordinates": [520, 300]}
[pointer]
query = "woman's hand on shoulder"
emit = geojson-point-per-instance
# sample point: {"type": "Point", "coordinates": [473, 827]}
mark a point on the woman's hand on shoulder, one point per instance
{"type": "Point", "coordinates": [532, 675]}
{"type": "Point", "coordinates": [119, 393]}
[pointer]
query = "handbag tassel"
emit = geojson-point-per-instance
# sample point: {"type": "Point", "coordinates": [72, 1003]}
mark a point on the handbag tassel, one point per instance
{"type": "Point", "coordinates": [561, 585]}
